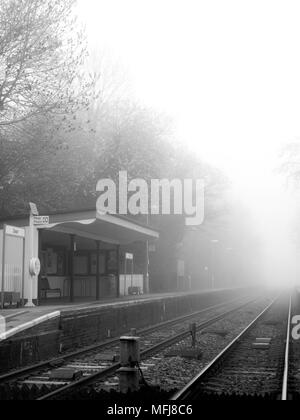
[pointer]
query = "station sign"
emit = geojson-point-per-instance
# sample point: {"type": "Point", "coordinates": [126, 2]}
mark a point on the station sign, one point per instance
{"type": "Point", "coordinates": [15, 231]}
{"type": "Point", "coordinates": [152, 248]}
{"type": "Point", "coordinates": [33, 209]}
{"type": "Point", "coordinates": [41, 220]}
{"type": "Point", "coordinates": [181, 268]}
{"type": "Point", "coordinates": [129, 256]}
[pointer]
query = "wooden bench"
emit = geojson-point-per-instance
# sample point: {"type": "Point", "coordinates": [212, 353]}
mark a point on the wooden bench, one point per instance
{"type": "Point", "coordinates": [47, 292]}
{"type": "Point", "coordinates": [134, 291]}
{"type": "Point", "coordinates": [11, 298]}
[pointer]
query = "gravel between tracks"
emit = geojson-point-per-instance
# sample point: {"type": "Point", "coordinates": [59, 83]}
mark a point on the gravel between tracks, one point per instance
{"type": "Point", "coordinates": [248, 370]}
{"type": "Point", "coordinates": [171, 373]}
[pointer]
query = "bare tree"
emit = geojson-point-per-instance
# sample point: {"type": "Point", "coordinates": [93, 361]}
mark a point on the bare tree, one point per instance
{"type": "Point", "coordinates": [290, 163]}
{"type": "Point", "coordinates": [41, 50]}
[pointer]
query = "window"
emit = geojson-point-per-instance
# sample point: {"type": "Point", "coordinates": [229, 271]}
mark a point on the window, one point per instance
{"type": "Point", "coordinates": [102, 262]}
{"type": "Point", "coordinates": [53, 262]}
{"type": "Point", "coordinates": [112, 261]}
{"type": "Point", "coordinates": [81, 265]}
{"type": "Point", "coordinates": [61, 263]}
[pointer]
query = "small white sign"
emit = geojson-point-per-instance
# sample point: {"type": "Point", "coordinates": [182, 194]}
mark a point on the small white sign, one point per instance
{"type": "Point", "coordinates": [152, 248]}
{"type": "Point", "coordinates": [33, 209]}
{"type": "Point", "coordinates": [181, 268]}
{"type": "Point", "coordinates": [41, 220]}
{"type": "Point", "coordinates": [129, 256]}
{"type": "Point", "coordinates": [14, 231]}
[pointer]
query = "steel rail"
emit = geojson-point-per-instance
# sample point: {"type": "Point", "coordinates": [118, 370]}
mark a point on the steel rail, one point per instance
{"type": "Point", "coordinates": [284, 395]}
{"type": "Point", "coordinates": [91, 379]}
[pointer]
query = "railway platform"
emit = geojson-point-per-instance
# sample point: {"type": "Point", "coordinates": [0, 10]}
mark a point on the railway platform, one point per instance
{"type": "Point", "coordinates": [20, 320]}
{"type": "Point", "coordinates": [31, 335]}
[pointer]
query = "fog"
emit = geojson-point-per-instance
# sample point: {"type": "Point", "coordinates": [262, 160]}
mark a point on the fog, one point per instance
{"type": "Point", "coordinates": [230, 79]}
{"type": "Point", "coordinates": [274, 209]}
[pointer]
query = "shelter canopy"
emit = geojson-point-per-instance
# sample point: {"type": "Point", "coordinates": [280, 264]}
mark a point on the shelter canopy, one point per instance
{"type": "Point", "coordinates": [103, 227]}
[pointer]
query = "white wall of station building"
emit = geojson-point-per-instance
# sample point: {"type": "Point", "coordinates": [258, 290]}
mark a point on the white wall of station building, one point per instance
{"type": "Point", "coordinates": [14, 264]}
{"type": "Point", "coordinates": [137, 280]}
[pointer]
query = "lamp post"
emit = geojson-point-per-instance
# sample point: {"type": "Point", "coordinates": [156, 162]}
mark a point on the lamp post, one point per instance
{"type": "Point", "coordinates": [214, 242]}
{"type": "Point", "coordinates": [230, 265]}
{"type": "Point", "coordinates": [155, 210]}
{"type": "Point", "coordinates": [35, 265]}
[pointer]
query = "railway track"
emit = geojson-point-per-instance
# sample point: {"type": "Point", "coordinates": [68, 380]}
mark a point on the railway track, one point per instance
{"type": "Point", "coordinates": [263, 362]}
{"type": "Point", "coordinates": [100, 361]}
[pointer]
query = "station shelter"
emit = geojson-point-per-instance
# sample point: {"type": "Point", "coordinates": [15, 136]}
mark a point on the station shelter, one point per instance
{"type": "Point", "coordinates": [83, 255]}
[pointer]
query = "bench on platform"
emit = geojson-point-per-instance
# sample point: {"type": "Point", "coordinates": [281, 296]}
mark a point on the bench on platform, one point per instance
{"type": "Point", "coordinates": [47, 292]}
{"type": "Point", "coordinates": [11, 298]}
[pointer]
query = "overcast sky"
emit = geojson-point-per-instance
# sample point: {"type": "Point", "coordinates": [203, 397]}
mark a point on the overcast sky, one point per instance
{"type": "Point", "coordinates": [229, 71]}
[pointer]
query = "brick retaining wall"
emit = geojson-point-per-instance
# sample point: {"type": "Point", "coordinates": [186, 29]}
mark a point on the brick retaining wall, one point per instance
{"type": "Point", "coordinates": [79, 328]}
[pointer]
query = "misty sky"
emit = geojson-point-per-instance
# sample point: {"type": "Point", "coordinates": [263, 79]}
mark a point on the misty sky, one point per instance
{"type": "Point", "coordinates": [228, 71]}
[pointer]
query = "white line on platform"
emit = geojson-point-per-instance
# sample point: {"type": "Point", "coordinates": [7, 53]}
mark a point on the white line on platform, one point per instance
{"type": "Point", "coordinates": [27, 325]}
{"type": "Point", "coordinates": [9, 317]}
